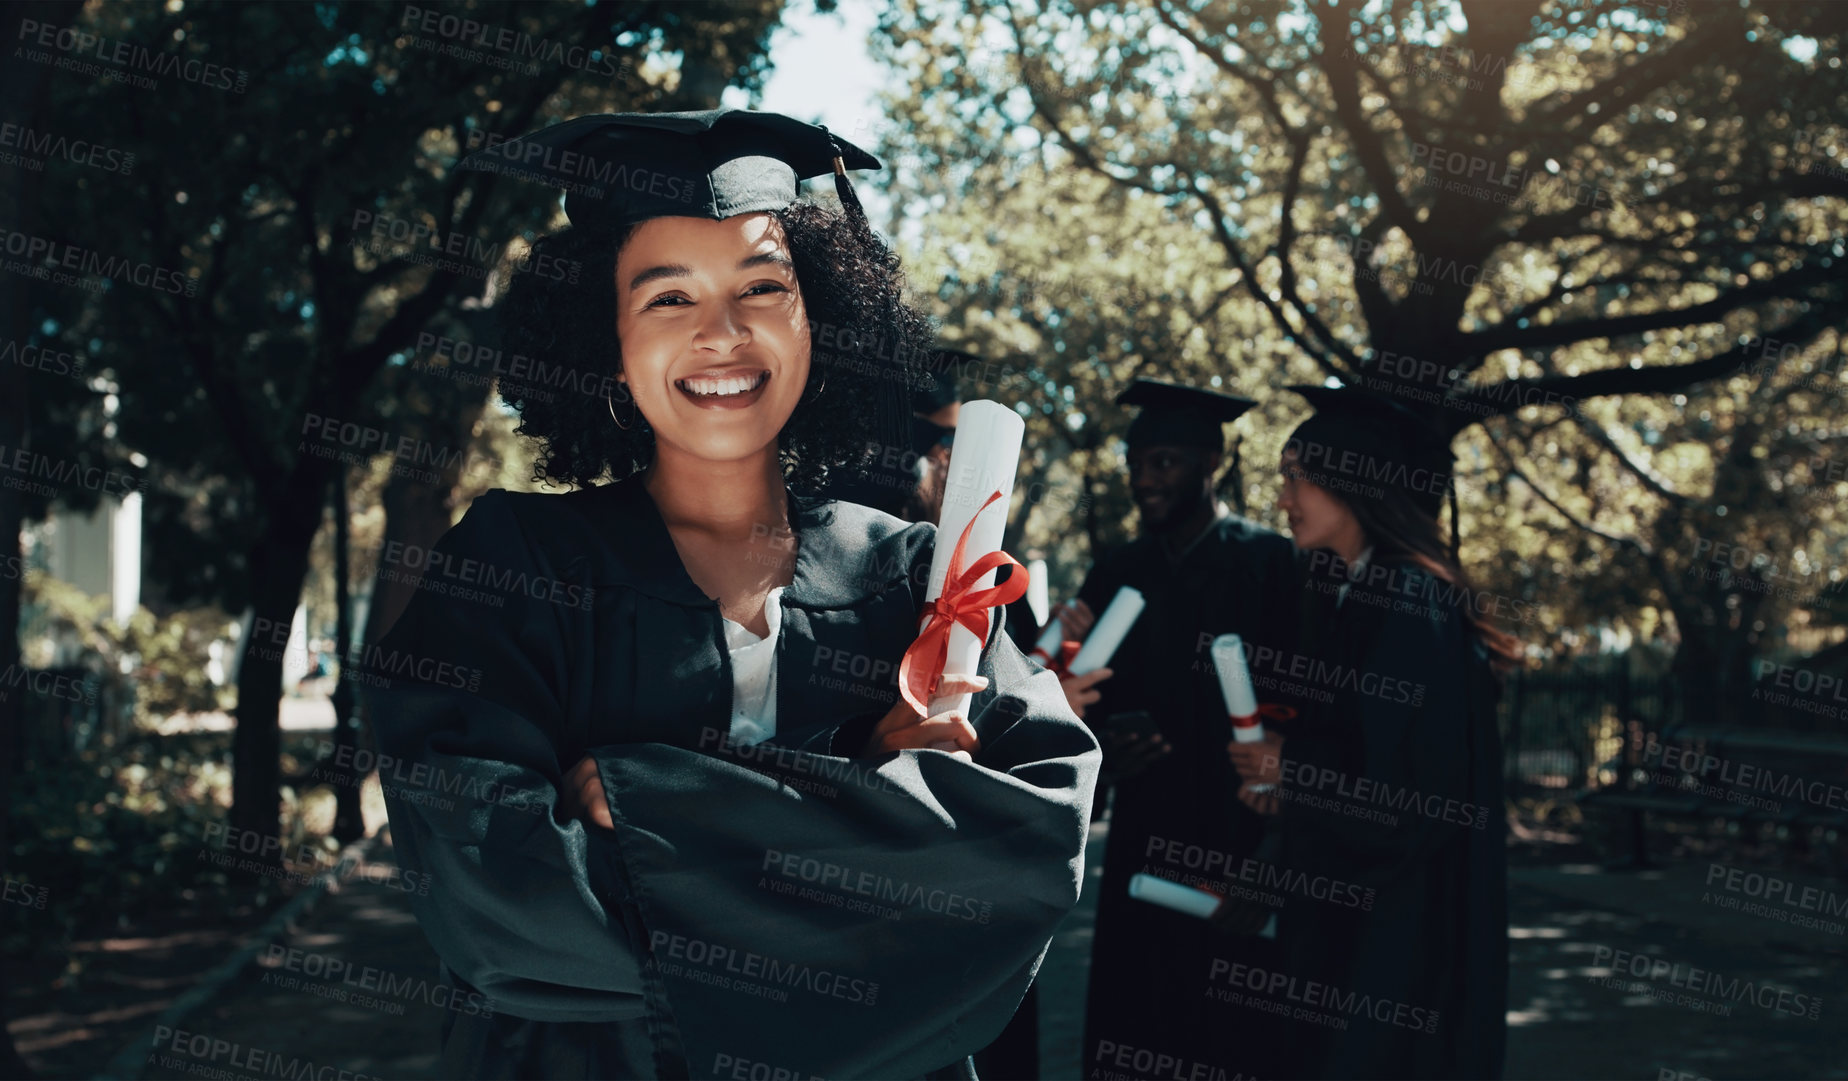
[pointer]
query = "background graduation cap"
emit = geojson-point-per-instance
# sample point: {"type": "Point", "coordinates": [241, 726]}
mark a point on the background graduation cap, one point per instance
{"type": "Point", "coordinates": [1179, 415]}
{"type": "Point", "coordinates": [619, 168]}
{"type": "Point", "coordinates": [1376, 442]}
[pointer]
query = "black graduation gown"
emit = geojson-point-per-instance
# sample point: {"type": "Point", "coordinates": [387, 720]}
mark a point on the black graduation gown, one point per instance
{"type": "Point", "coordinates": [1393, 803]}
{"type": "Point", "coordinates": [1180, 817]}
{"type": "Point", "coordinates": [786, 908]}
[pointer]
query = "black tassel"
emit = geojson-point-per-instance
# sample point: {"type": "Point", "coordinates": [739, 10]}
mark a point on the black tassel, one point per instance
{"type": "Point", "coordinates": [844, 189]}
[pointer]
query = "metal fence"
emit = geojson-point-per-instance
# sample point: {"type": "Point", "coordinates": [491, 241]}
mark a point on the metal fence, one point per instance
{"type": "Point", "coordinates": [1563, 729]}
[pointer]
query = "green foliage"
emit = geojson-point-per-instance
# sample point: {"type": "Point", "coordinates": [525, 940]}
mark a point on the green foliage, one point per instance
{"type": "Point", "coordinates": [164, 660]}
{"type": "Point", "coordinates": [126, 828]}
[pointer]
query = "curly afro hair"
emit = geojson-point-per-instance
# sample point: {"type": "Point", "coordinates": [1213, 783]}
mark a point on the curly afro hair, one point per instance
{"type": "Point", "coordinates": [868, 347]}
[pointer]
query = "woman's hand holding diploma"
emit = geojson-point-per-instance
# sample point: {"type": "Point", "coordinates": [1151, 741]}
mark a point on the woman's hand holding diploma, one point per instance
{"type": "Point", "coordinates": [1076, 618]}
{"type": "Point", "coordinates": [1078, 689]}
{"type": "Point", "coordinates": [904, 727]}
{"type": "Point", "coordinates": [1261, 765]}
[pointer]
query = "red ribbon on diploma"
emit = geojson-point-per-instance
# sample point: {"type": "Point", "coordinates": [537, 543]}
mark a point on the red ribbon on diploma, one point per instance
{"type": "Point", "coordinates": [1274, 711]}
{"type": "Point", "coordinates": [922, 667]}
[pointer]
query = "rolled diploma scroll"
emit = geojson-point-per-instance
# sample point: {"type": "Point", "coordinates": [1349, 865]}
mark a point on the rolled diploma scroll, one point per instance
{"type": "Point", "coordinates": [1235, 684]}
{"type": "Point", "coordinates": [1101, 644]}
{"type": "Point", "coordinates": [1047, 648]}
{"type": "Point", "coordinates": [1241, 699]}
{"type": "Point", "coordinates": [1173, 895]}
{"type": "Point", "coordinates": [1039, 601]}
{"type": "Point", "coordinates": [982, 461]}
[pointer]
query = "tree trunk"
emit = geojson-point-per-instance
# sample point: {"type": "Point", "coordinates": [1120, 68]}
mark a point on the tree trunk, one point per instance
{"type": "Point", "coordinates": [278, 567]}
{"type": "Point", "coordinates": [349, 822]}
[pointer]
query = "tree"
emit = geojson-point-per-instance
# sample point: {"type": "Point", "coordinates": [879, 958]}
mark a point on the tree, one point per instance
{"type": "Point", "coordinates": [1600, 243]}
{"type": "Point", "coordinates": [309, 212]}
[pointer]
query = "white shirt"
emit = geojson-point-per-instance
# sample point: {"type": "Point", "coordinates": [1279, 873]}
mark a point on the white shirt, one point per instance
{"type": "Point", "coordinates": [753, 662]}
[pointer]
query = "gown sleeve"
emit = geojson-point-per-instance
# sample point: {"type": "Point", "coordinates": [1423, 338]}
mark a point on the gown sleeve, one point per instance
{"type": "Point", "coordinates": [826, 915]}
{"type": "Point", "coordinates": [523, 904]}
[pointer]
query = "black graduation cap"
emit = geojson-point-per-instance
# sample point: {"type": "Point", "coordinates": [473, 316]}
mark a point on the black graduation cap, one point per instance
{"type": "Point", "coordinates": [1359, 442]}
{"type": "Point", "coordinates": [618, 168]}
{"type": "Point", "coordinates": [1180, 415]}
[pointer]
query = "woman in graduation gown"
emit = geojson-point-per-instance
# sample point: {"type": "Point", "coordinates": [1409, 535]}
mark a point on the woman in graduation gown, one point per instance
{"type": "Point", "coordinates": [675, 817]}
{"type": "Point", "coordinates": [1393, 928]}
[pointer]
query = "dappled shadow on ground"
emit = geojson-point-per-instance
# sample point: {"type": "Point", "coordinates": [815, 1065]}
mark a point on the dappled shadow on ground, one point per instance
{"type": "Point", "coordinates": [356, 989]}
{"type": "Point", "coordinates": [1627, 975]}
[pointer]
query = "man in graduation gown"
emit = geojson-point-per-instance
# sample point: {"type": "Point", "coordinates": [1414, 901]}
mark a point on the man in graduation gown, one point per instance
{"type": "Point", "coordinates": [1202, 572]}
{"type": "Point", "coordinates": [787, 906]}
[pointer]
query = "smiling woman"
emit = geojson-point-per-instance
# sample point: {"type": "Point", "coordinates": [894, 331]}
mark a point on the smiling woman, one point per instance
{"type": "Point", "coordinates": [629, 797]}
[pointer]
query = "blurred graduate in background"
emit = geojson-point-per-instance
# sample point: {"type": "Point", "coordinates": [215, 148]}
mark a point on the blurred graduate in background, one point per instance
{"type": "Point", "coordinates": [1174, 810]}
{"type": "Point", "coordinates": [1390, 783]}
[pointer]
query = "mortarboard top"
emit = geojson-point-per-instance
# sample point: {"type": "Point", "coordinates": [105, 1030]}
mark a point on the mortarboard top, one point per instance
{"type": "Point", "coordinates": [1363, 440]}
{"type": "Point", "coordinates": [619, 168]}
{"type": "Point", "coordinates": [1180, 415]}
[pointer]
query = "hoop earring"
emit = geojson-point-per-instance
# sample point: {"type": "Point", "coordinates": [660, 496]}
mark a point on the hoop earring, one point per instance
{"type": "Point", "coordinates": [818, 390]}
{"type": "Point", "coordinates": [612, 409]}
